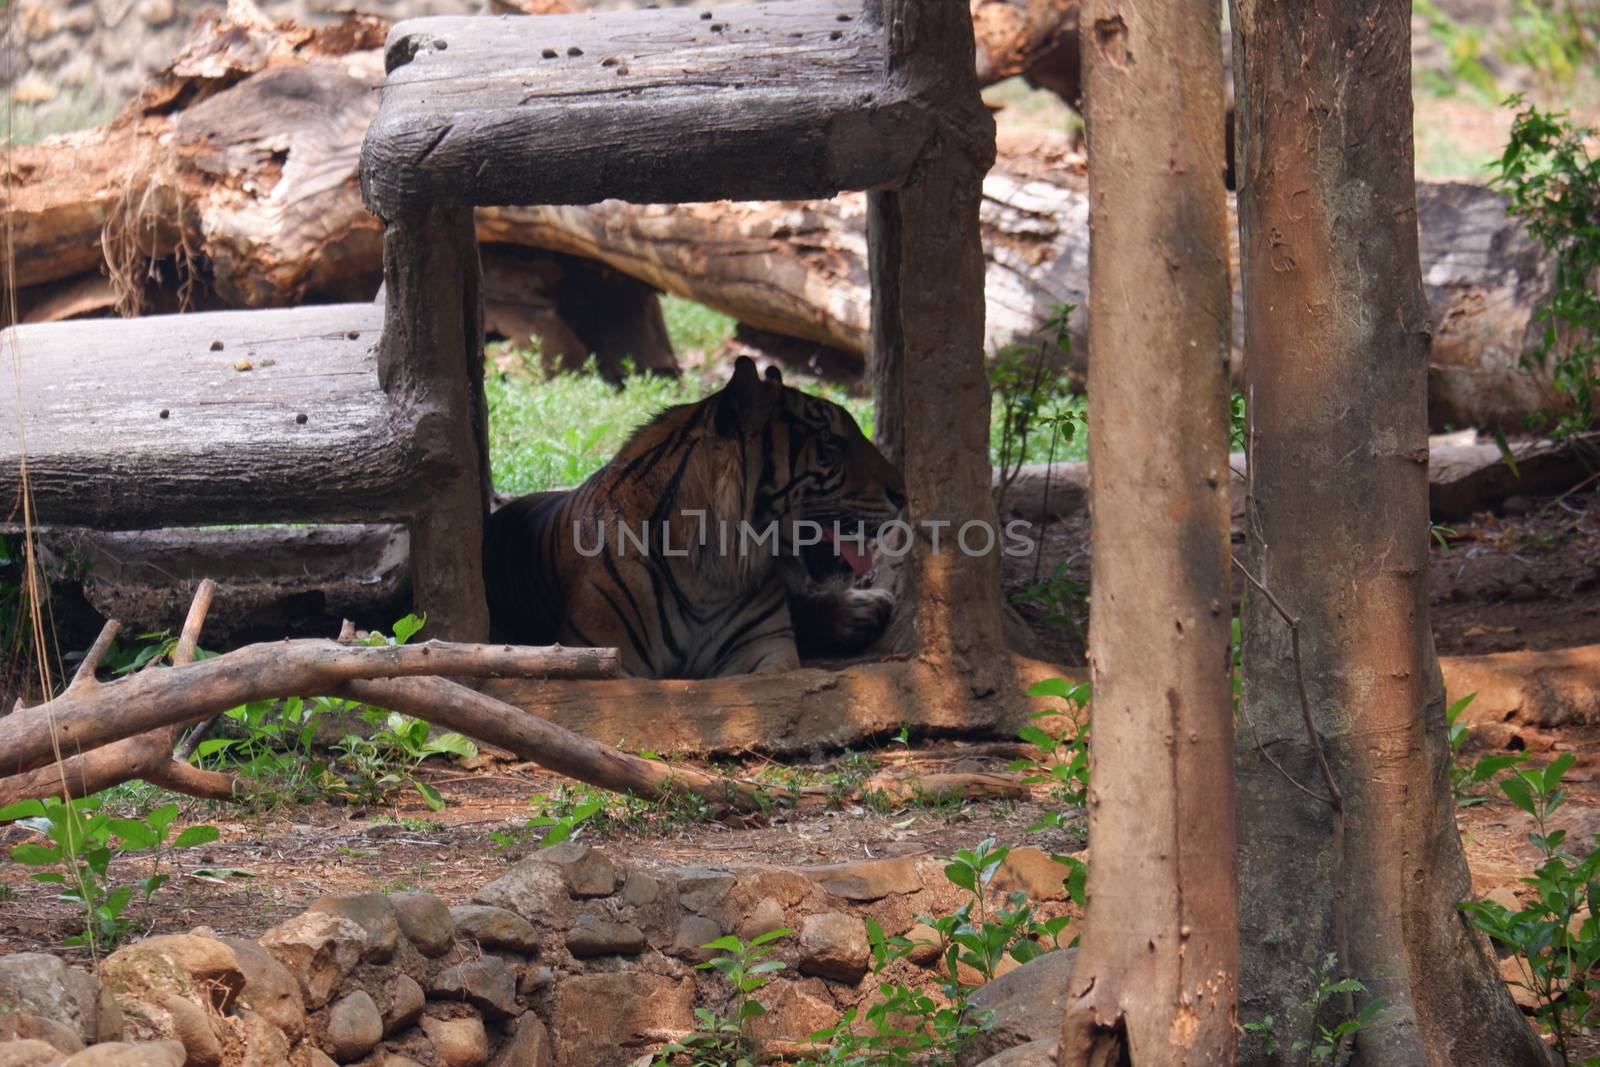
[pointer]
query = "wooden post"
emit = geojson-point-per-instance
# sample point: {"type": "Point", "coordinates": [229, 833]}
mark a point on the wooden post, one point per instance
{"type": "Point", "coordinates": [927, 354]}
{"type": "Point", "coordinates": [431, 361]}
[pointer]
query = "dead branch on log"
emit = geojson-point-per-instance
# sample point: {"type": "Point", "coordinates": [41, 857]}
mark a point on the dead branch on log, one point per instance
{"type": "Point", "coordinates": [126, 729]}
{"type": "Point", "coordinates": [91, 714]}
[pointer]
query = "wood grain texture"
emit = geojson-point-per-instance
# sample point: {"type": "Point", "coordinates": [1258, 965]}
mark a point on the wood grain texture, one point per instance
{"type": "Point", "coordinates": [235, 416]}
{"type": "Point", "coordinates": [772, 101]}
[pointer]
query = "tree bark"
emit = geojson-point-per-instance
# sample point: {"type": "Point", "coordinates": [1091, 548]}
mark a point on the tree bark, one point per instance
{"type": "Point", "coordinates": [1156, 975]}
{"type": "Point", "coordinates": [1358, 855]}
{"type": "Point", "coordinates": [927, 361]}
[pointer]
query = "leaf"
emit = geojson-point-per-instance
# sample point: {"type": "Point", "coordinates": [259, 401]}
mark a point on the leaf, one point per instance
{"type": "Point", "coordinates": [454, 744]}
{"type": "Point", "coordinates": [773, 935]}
{"type": "Point", "coordinates": [726, 943]}
{"type": "Point", "coordinates": [22, 809]}
{"type": "Point", "coordinates": [135, 835]}
{"type": "Point", "coordinates": [1050, 687]}
{"type": "Point", "coordinates": [962, 875]}
{"type": "Point", "coordinates": [1518, 792]}
{"type": "Point", "coordinates": [162, 817]}
{"type": "Point", "coordinates": [196, 835]}
{"type": "Point", "coordinates": [1558, 769]}
{"type": "Point", "coordinates": [1506, 453]}
{"type": "Point", "coordinates": [406, 628]}
{"type": "Point", "coordinates": [430, 795]}
{"type": "Point", "coordinates": [35, 855]}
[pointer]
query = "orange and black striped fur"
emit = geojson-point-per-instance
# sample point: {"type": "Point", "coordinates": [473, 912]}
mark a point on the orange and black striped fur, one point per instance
{"type": "Point", "coordinates": [701, 603]}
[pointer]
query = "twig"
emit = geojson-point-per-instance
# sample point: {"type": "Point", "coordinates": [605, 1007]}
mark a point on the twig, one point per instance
{"type": "Point", "coordinates": [97, 652]}
{"type": "Point", "coordinates": [189, 636]}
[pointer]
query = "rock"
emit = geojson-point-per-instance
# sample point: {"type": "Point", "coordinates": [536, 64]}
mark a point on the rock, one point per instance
{"type": "Point", "coordinates": [593, 936]}
{"type": "Point", "coordinates": [532, 888]}
{"type": "Point", "coordinates": [485, 983]}
{"type": "Point", "coordinates": [191, 1026]}
{"type": "Point", "coordinates": [1516, 504]}
{"type": "Point", "coordinates": [16, 1026]}
{"type": "Point", "coordinates": [834, 945]}
{"type": "Point", "coordinates": [925, 944]}
{"type": "Point", "coordinates": [269, 989]}
{"type": "Point", "coordinates": [105, 1022]}
{"type": "Point", "coordinates": [608, 1018]}
{"type": "Point", "coordinates": [30, 1052]}
{"type": "Point", "coordinates": [1041, 1053]}
{"type": "Point", "coordinates": [588, 873]}
{"type": "Point", "coordinates": [265, 1044]}
{"type": "Point", "coordinates": [374, 914]}
{"type": "Point", "coordinates": [121, 1054]}
{"type": "Point", "coordinates": [425, 921]}
{"type": "Point", "coordinates": [795, 1011]}
{"type": "Point", "coordinates": [529, 1045]}
{"type": "Point", "coordinates": [534, 979]}
{"type": "Point", "coordinates": [406, 1002]}
{"type": "Point", "coordinates": [353, 1027]}
{"type": "Point", "coordinates": [306, 1054]}
{"type": "Point", "coordinates": [200, 969]}
{"type": "Point", "coordinates": [1032, 871]}
{"type": "Point", "coordinates": [319, 949]}
{"type": "Point", "coordinates": [458, 1042]}
{"type": "Point", "coordinates": [693, 931]}
{"type": "Point", "coordinates": [764, 918]}
{"type": "Point", "coordinates": [493, 927]}
{"type": "Point", "coordinates": [702, 888]}
{"type": "Point", "coordinates": [869, 880]}
{"type": "Point", "coordinates": [639, 889]}
{"type": "Point", "coordinates": [1027, 1005]}
{"type": "Point", "coordinates": [36, 983]}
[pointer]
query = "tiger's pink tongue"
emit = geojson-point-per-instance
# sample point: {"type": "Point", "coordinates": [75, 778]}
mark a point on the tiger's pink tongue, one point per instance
{"type": "Point", "coordinates": [858, 561]}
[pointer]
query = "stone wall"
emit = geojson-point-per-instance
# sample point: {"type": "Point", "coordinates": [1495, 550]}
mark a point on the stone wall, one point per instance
{"type": "Point", "coordinates": [570, 959]}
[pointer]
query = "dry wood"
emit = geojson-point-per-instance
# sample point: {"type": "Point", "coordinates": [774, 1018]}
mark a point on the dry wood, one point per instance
{"type": "Point", "coordinates": [659, 106]}
{"type": "Point", "coordinates": [256, 179]}
{"type": "Point", "coordinates": [148, 756]}
{"type": "Point", "coordinates": [92, 713]}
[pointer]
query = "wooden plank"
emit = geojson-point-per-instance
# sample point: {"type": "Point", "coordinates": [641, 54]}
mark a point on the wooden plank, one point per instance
{"type": "Point", "coordinates": [236, 416]}
{"type": "Point", "coordinates": [769, 101]}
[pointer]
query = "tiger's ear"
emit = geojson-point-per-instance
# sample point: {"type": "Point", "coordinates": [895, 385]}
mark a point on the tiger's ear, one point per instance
{"type": "Point", "coordinates": [774, 375]}
{"type": "Point", "coordinates": [739, 406]}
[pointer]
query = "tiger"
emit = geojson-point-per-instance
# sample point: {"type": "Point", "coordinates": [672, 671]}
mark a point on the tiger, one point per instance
{"type": "Point", "coordinates": [729, 536]}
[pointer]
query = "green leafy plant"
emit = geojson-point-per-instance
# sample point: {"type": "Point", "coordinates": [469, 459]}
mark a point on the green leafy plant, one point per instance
{"type": "Point", "coordinates": [907, 1025]}
{"type": "Point", "coordinates": [1554, 189]}
{"type": "Point", "coordinates": [1031, 395]}
{"type": "Point", "coordinates": [1063, 759]}
{"type": "Point", "coordinates": [1464, 48]}
{"type": "Point", "coordinates": [1328, 1046]}
{"type": "Point", "coordinates": [80, 843]}
{"type": "Point", "coordinates": [1554, 38]}
{"type": "Point", "coordinates": [1062, 598]}
{"type": "Point", "coordinates": [1556, 936]}
{"type": "Point", "coordinates": [1465, 777]}
{"type": "Point", "coordinates": [723, 1040]}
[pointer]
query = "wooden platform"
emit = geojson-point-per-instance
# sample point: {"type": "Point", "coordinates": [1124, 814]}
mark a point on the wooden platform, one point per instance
{"type": "Point", "coordinates": [780, 100]}
{"type": "Point", "coordinates": [225, 417]}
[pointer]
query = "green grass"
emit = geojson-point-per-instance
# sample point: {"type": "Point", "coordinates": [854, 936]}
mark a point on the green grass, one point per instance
{"type": "Point", "coordinates": [548, 433]}
{"type": "Point", "coordinates": [694, 328]}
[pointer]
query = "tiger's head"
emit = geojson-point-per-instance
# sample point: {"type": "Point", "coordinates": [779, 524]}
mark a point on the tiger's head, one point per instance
{"type": "Point", "coordinates": [806, 469]}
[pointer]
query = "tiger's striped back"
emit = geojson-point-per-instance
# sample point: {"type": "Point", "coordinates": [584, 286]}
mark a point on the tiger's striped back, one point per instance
{"type": "Point", "coordinates": [645, 555]}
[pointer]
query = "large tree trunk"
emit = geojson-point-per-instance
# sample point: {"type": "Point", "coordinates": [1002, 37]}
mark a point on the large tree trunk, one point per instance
{"type": "Point", "coordinates": [1156, 976]}
{"type": "Point", "coordinates": [1358, 854]}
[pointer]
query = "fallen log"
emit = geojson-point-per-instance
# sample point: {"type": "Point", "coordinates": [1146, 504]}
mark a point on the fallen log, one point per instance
{"type": "Point", "coordinates": [1463, 478]}
{"type": "Point", "coordinates": [1552, 689]}
{"type": "Point", "coordinates": [232, 183]}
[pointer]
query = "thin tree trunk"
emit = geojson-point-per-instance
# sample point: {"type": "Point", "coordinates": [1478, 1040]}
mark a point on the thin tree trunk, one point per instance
{"type": "Point", "coordinates": [1358, 854]}
{"type": "Point", "coordinates": [1156, 976]}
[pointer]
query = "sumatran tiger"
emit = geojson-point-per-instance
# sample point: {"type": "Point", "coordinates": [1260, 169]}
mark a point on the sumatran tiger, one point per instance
{"type": "Point", "coordinates": [726, 537]}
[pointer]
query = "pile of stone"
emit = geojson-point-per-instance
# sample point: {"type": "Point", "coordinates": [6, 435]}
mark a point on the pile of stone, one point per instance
{"type": "Point", "coordinates": [570, 959]}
